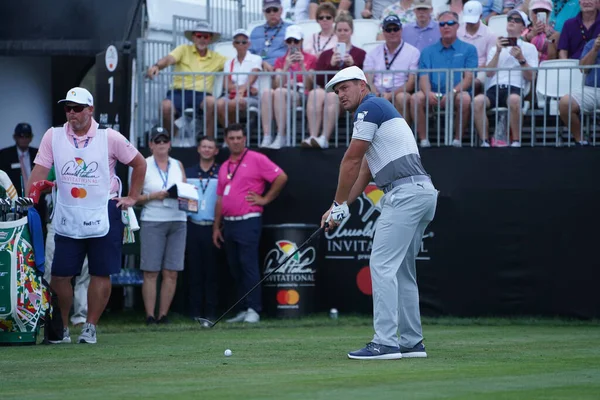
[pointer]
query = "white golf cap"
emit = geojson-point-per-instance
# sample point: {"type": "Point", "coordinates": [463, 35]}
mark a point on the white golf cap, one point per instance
{"type": "Point", "coordinates": [79, 95]}
{"type": "Point", "coordinates": [241, 32]}
{"type": "Point", "coordinates": [294, 31]}
{"type": "Point", "coordinates": [472, 11]}
{"type": "Point", "coordinates": [347, 74]}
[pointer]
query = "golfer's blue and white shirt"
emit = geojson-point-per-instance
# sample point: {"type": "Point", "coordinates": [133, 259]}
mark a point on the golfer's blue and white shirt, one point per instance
{"type": "Point", "coordinates": [393, 153]}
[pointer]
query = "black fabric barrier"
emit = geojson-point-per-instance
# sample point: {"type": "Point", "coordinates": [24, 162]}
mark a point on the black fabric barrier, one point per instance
{"type": "Point", "coordinates": [515, 231]}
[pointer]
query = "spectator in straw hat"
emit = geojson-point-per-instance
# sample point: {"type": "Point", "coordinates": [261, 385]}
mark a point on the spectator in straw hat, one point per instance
{"type": "Point", "coordinates": [191, 91]}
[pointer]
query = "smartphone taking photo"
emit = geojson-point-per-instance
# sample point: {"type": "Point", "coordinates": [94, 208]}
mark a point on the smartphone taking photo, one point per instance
{"type": "Point", "coordinates": [510, 41]}
{"type": "Point", "coordinates": [340, 48]}
{"type": "Point", "coordinates": [541, 16]}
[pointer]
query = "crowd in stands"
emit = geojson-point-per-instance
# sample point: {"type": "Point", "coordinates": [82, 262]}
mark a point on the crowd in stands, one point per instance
{"type": "Point", "coordinates": [415, 35]}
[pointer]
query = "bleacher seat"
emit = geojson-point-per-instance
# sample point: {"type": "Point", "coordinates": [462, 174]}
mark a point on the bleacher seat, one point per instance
{"type": "Point", "coordinates": [365, 31]}
{"type": "Point", "coordinates": [225, 49]}
{"type": "Point", "coordinates": [497, 24]}
{"type": "Point", "coordinates": [309, 27]}
{"type": "Point", "coordinates": [368, 46]}
{"type": "Point", "coordinates": [554, 83]}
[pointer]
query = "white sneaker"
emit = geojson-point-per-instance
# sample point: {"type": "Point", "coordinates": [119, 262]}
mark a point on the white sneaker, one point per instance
{"type": "Point", "coordinates": [456, 143]}
{"type": "Point", "coordinates": [252, 316]}
{"type": "Point", "coordinates": [266, 142]}
{"type": "Point", "coordinates": [66, 337]}
{"type": "Point", "coordinates": [277, 143]}
{"type": "Point", "coordinates": [516, 143]}
{"type": "Point", "coordinates": [425, 143]}
{"type": "Point", "coordinates": [320, 142]}
{"type": "Point", "coordinates": [238, 318]}
{"type": "Point", "coordinates": [88, 334]}
{"type": "Point", "coordinates": [484, 143]}
{"type": "Point", "coordinates": [306, 143]}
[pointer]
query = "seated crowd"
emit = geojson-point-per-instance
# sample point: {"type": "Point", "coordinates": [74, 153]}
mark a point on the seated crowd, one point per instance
{"type": "Point", "coordinates": [419, 43]}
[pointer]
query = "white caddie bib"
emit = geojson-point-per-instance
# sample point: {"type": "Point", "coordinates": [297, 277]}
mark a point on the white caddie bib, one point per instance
{"type": "Point", "coordinates": [83, 181]}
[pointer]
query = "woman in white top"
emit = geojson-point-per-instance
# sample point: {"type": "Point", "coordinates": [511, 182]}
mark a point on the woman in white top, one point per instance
{"type": "Point", "coordinates": [316, 43]}
{"type": "Point", "coordinates": [163, 227]}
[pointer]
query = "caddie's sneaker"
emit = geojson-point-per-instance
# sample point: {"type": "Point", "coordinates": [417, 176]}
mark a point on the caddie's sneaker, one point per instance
{"type": "Point", "coordinates": [88, 334]}
{"type": "Point", "coordinates": [66, 337]}
{"type": "Point", "coordinates": [374, 351]}
{"type": "Point", "coordinates": [252, 316]}
{"type": "Point", "coordinates": [238, 318]}
{"type": "Point", "coordinates": [418, 351]}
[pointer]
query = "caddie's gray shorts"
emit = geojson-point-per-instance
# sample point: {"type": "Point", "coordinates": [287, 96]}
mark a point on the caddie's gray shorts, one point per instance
{"type": "Point", "coordinates": [162, 245]}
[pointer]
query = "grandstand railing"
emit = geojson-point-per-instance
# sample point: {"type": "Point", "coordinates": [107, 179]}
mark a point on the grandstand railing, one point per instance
{"type": "Point", "coordinates": [539, 125]}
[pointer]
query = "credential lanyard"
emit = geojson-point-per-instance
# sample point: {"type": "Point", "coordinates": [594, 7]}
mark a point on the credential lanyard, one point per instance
{"type": "Point", "coordinates": [230, 174]}
{"type": "Point", "coordinates": [163, 176]}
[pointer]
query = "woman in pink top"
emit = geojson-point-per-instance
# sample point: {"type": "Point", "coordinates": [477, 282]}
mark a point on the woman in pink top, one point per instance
{"type": "Point", "coordinates": [541, 34]}
{"type": "Point", "coordinates": [317, 43]}
{"type": "Point", "coordinates": [275, 101]}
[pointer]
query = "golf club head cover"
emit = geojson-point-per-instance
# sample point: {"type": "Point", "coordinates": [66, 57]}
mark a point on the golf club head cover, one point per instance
{"type": "Point", "coordinates": [37, 188]}
{"type": "Point", "coordinates": [339, 212]}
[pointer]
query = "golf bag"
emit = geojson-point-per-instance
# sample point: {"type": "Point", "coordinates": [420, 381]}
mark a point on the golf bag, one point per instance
{"type": "Point", "coordinates": [24, 297]}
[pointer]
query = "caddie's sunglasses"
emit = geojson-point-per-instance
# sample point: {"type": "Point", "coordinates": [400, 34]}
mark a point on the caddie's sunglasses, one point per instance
{"type": "Point", "coordinates": [240, 42]}
{"type": "Point", "coordinates": [393, 29]}
{"type": "Point", "coordinates": [515, 20]}
{"type": "Point", "coordinates": [161, 140]}
{"type": "Point", "coordinates": [200, 35]}
{"type": "Point", "coordinates": [271, 10]}
{"type": "Point", "coordinates": [327, 17]}
{"type": "Point", "coordinates": [77, 108]}
{"type": "Point", "coordinates": [448, 23]}
{"type": "Point", "coordinates": [292, 41]}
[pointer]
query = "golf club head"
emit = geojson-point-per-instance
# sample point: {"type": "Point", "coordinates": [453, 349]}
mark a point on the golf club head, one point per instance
{"type": "Point", "coordinates": [205, 323]}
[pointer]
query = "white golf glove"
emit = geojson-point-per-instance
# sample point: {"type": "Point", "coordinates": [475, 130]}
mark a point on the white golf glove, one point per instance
{"type": "Point", "coordinates": [339, 212]}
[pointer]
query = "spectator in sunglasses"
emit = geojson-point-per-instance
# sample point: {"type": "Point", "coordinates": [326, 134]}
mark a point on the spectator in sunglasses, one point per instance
{"type": "Point", "coordinates": [189, 91]}
{"type": "Point", "coordinates": [324, 108]}
{"type": "Point", "coordinates": [274, 102]}
{"type": "Point", "coordinates": [424, 31]}
{"type": "Point", "coordinates": [342, 6]}
{"type": "Point", "coordinates": [449, 52]}
{"type": "Point", "coordinates": [268, 40]}
{"type": "Point", "coordinates": [163, 227]}
{"type": "Point", "coordinates": [326, 39]}
{"type": "Point", "coordinates": [241, 90]}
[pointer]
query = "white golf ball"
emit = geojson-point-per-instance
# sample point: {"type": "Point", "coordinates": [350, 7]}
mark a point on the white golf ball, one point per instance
{"type": "Point", "coordinates": [227, 353]}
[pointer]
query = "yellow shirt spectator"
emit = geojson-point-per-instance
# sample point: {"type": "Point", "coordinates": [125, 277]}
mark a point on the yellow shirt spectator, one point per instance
{"type": "Point", "coordinates": [188, 60]}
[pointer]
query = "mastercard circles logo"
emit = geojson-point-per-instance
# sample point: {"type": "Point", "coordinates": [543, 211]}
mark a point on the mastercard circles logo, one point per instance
{"type": "Point", "coordinates": [79, 193]}
{"type": "Point", "coordinates": [363, 281]}
{"type": "Point", "coordinates": [288, 297]}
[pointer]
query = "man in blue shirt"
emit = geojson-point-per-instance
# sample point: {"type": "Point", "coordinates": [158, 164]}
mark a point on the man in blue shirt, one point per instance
{"type": "Point", "coordinates": [201, 253]}
{"type": "Point", "coordinates": [586, 98]}
{"type": "Point", "coordinates": [268, 40]}
{"type": "Point", "coordinates": [448, 53]}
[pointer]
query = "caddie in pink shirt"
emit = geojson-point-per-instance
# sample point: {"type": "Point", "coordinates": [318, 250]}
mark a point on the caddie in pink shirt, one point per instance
{"type": "Point", "coordinates": [86, 218]}
{"type": "Point", "coordinates": [240, 202]}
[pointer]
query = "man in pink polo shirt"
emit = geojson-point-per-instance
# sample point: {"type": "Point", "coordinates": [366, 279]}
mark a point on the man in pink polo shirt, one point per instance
{"type": "Point", "coordinates": [240, 202]}
{"type": "Point", "coordinates": [86, 219]}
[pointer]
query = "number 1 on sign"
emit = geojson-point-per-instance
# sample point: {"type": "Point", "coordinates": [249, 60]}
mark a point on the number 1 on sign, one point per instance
{"type": "Point", "coordinates": [111, 86]}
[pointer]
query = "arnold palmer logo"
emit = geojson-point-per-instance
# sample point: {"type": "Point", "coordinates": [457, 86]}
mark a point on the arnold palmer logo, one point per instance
{"type": "Point", "coordinates": [78, 168]}
{"type": "Point", "coordinates": [296, 269]}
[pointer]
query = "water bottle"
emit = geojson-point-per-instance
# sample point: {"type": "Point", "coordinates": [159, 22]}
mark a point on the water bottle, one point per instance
{"type": "Point", "coordinates": [500, 133]}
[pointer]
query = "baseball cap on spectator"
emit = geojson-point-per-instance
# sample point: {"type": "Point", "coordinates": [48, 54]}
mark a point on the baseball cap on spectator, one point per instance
{"type": "Point", "coordinates": [540, 5]}
{"type": "Point", "coordinates": [421, 4]}
{"type": "Point", "coordinates": [352, 73]}
{"type": "Point", "coordinates": [157, 132]}
{"type": "Point", "coordinates": [391, 19]}
{"type": "Point", "coordinates": [472, 11]}
{"type": "Point", "coordinates": [271, 3]}
{"type": "Point", "coordinates": [204, 28]}
{"type": "Point", "coordinates": [79, 95]}
{"type": "Point", "coordinates": [242, 32]}
{"type": "Point", "coordinates": [23, 129]}
{"type": "Point", "coordinates": [521, 14]}
{"type": "Point", "coordinates": [294, 31]}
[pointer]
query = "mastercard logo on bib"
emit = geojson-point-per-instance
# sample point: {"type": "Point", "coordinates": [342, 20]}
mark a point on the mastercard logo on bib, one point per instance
{"type": "Point", "coordinates": [79, 193]}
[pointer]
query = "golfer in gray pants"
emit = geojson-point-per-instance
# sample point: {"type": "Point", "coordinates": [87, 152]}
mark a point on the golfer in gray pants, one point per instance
{"type": "Point", "coordinates": [383, 149]}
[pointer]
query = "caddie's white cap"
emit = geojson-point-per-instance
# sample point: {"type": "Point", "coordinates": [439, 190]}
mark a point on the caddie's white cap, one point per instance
{"type": "Point", "coordinates": [242, 32]}
{"type": "Point", "coordinates": [79, 95]}
{"type": "Point", "coordinates": [472, 11]}
{"type": "Point", "coordinates": [347, 74]}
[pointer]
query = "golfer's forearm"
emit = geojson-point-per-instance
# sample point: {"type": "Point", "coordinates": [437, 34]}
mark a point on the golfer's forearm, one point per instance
{"type": "Point", "coordinates": [364, 177]}
{"type": "Point", "coordinates": [349, 171]}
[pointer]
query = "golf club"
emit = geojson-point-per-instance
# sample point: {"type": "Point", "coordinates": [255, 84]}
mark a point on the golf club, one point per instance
{"type": "Point", "coordinates": [209, 324]}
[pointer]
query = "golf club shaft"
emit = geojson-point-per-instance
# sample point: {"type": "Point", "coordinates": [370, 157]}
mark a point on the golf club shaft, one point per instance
{"type": "Point", "coordinates": [303, 245]}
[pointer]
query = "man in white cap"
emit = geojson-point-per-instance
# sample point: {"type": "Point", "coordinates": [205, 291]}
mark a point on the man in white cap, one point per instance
{"type": "Point", "coordinates": [191, 91]}
{"type": "Point", "coordinates": [241, 88]}
{"type": "Point", "coordinates": [479, 35]}
{"type": "Point", "coordinates": [506, 87]}
{"type": "Point", "coordinates": [383, 149]}
{"type": "Point", "coordinates": [87, 218]}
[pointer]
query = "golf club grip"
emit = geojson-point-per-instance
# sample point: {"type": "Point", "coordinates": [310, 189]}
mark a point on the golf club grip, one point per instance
{"type": "Point", "coordinates": [302, 246]}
